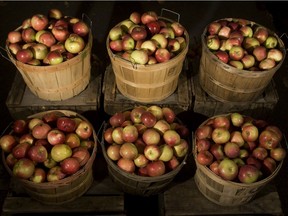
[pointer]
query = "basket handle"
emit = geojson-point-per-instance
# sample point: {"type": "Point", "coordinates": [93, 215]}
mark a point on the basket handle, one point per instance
{"type": "Point", "coordinates": [1, 48]}
{"type": "Point", "coordinates": [87, 18]}
{"type": "Point", "coordinates": [170, 11]}
{"type": "Point", "coordinates": [286, 37]}
{"type": "Point", "coordinates": [5, 131]}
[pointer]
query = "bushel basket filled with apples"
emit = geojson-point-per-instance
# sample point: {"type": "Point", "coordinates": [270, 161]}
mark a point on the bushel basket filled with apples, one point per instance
{"type": "Point", "coordinates": [50, 155]}
{"type": "Point", "coordinates": [52, 52]}
{"type": "Point", "coordinates": [236, 156]}
{"type": "Point", "coordinates": [239, 59]}
{"type": "Point", "coordinates": [145, 148]}
{"type": "Point", "coordinates": [147, 53]}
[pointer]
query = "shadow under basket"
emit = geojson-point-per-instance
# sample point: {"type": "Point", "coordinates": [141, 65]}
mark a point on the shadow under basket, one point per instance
{"type": "Point", "coordinates": [64, 190]}
{"type": "Point", "coordinates": [148, 83]}
{"type": "Point", "coordinates": [57, 82]}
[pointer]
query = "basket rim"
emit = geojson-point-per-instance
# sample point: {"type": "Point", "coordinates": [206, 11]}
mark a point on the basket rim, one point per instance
{"type": "Point", "coordinates": [232, 69]}
{"type": "Point", "coordinates": [67, 179]}
{"type": "Point", "coordinates": [218, 178]}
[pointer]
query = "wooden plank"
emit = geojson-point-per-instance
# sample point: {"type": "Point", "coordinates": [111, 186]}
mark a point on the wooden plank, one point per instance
{"type": "Point", "coordinates": [184, 198]}
{"type": "Point", "coordinates": [21, 102]}
{"type": "Point", "coordinates": [114, 101]}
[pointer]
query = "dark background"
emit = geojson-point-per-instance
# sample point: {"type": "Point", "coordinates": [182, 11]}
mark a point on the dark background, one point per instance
{"type": "Point", "coordinates": [194, 15]}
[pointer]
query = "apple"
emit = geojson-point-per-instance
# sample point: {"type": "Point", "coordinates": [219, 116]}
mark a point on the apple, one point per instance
{"type": "Point", "coordinates": [60, 47]}
{"type": "Point", "coordinates": [70, 165]}
{"type": "Point", "coordinates": [253, 161]}
{"type": "Point", "coordinates": [260, 153]}
{"type": "Point", "coordinates": [166, 153]}
{"type": "Point", "coordinates": [113, 152]}
{"type": "Point", "coordinates": [217, 150]}
{"type": "Point", "coordinates": [55, 136]}
{"type": "Point", "coordinates": [37, 153]}
{"type": "Point", "coordinates": [237, 64]}
{"type": "Point", "coordinates": [203, 144]}
{"type": "Point", "coordinates": [20, 150]}
{"type": "Point", "coordinates": [60, 32]}
{"type": "Point", "coordinates": [260, 53]}
{"type": "Point", "coordinates": [249, 43]}
{"type": "Point", "coordinates": [173, 45]}
{"type": "Point", "coordinates": [81, 28]}
{"type": "Point", "coordinates": [141, 161]}
{"type": "Point", "coordinates": [49, 163]}
{"type": "Point", "coordinates": [53, 58]}
{"type": "Point", "coordinates": [126, 165]}
{"type": "Point", "coordinates": [66, 124]}
{"type": "Point", "coordinates": [130, 133]}
{"type": "Point", "coordinates": [169, 114]}
{"type": "Point", "coordinates": [269, 165]}
{"type": "Point", "coordinates": [41, 130]}
{"type": "Point", "coordinates": [153, 27]}
{"type": "Point", "coordinates": [148, 16]}
{"type": "Point", "coordinates": [204, 157]}
{"type": "Point", "coordinates": [177, 28]}
{"type": "Point", "coordinates": [238, 35]}
{"type": "Point", "coordinates": [74, 43]}
{"type": "Point", "coordinates": [60, 152]}
{"type": "Point", "coordinates": [55, 174]}
{"type": "Point", "coordinates": [213, 28]}
{"type": "Point", "coordinates": [23, 168]}
{"type": "Point", "coordinates": [38, 34]}
{"type": "Point", "coordinates": [135, 17]}
{"type": "Point", "coordinates": [150, 46]}
{"type": "Point", "coordinates": [139, 33]}
{"type": "Point", "coordinates": [275, 54]}
{"type": "Point", "coordinates": [27, 137]}
{"type": "Point", "coordinates": [157, 111]}
{"type": "Point", "coordinates": [14, 48]}
{"type": "Point", "coordinates": [278, 153]}
{"type": "Point", "coordinates": [231, 150]}
{"type": "Point", "coordinates": [228, 169]}
{"type": "Point", "coordinates": [267, 64]}
{"type": "Point", "coordinates": [26, 23]}
{"type": "Point", "coordinates": [33, 122]}
{"type": "Point", "coordinates": [224, 32]}
{"type": "Point", "coordinates": [162, 126]}
{"type": "Point", "coordinates": [72, 139]}
{"type": "Point", "coordinates": [204, 132]}
{"type": "Point", "coordinates": [28, 35]}
{"type": "Point", "coordinates": [10, 160]}
{"type": "Point", "coordinates": [236, 53]}
{"type": "Point", "coordinates": [128, 43]}
{"type": "Point", "coordinates": [168, 32]}
{"type": "Point", "coordinates": [148, 119]}
{"type": "Point", "coordinates": [248, 61]}
{"type": "Point", "coordinates": [236, 137]}
{"type": "Point", "coordinates": [128, 150]}
{"type": "Point", "coordinates": [261, 33]}
{"type": "Point", "coordinates": [39, 22]}
{"type": "Point", "coordinates": [268, 139]}
{"type": "Point", "coordinates": [248, 174]}
{"type": "Point", "coordinates": [246, 30]}
{"type": "Point", "coordinates": [271, 42]}
{"type": "Point", "coordinates": [243, 153]}
{"type": "Point", "coordinates": [214, 167]}
{"type": "Point", "coordinates": [24, 55]}
{"type": "Point", "coordinates": [221, 121]}
{"type": "Point", "coordinates": [20, 126]}
{"type": "Point", "coordinates": [220, 135]}
{"type": "Point", "coordinates": [222, 56]}
{"type": "Point", "coordinates": [39, 175]}
{"type": "Point", "coordinates": [142, 171]}
{"type": "Point", "coordinates": [89, 144]}
{"type": "Point", "coordinates": [84, 130]}
{"type": "Point", "coordinates": [151, 136]}
{"type": "Point", "coordinates": [160, 40]}
{"type": "Point", "coordinates": [126, 24]}
{"type": "Point", "coordinates": [135, 114]}
{"type": "Point", "coordinates": [139, 56]}
{"type": "Point", "coordinates": [181, 149]}
{"type": "Point", "coordinates": [115, 33]}
{"type": "Point", "coordinates": [250, 132]}
{"type": "Point", "coordinates": [213, 42]}
{"type": "Point", "coordinates": [14, 37]}
{"type": "Point", "coordinates": [34, 62]}
{"type": "Point", "coordinates": [230, 42]}
{"type": "Point", "coordinates": [172, 164]}
{"type": "Point", "coordinates": [40, 51]}
{"type": "Point", "coordinates": [117, 135]}
{"type": "Point", "coordinates": [81, 154]}
{"type": "Point", "coordinates": [171, 137]}
{"type": "Point", "coordinates": [117, 119]}
{"type": "Point", "coordinates": [156, 168]}
{"type": "Point", "coordinates": [152, 152]}
{"type": "Point", "coordinates": [47, 38]}
{"type": "Point", "coordinates": [55, 13]}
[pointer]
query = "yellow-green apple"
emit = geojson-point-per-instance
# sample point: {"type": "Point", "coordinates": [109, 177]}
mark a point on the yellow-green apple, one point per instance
{"type": "Point", "coordinates": [23, 168]}
{"type": "Point", "coordinates": [60, 152]}
{"type": "Point", "coordinates": [166, 152]}
{"type": "Point", "coordinates": [74, 43]}
{"type": "Point", "coordinates": [160, 40]}
{"type": "Point", "coordinates": [220, 135]}
{"type": "Point", "coordinates": [139, 56]}
{"type": "Point", "coordinates": [181, 149]}
{"type": "Point", "coordinates": [55, 174]}
{"type": "Point", "coordinates": [141, 161]}
{"type": "Point", "coordinates": [267, 64]}
{"type": "Point", "coordinates": [248, 174]}
{"type": "Point", "coordinates": [275, 54]}
{"type": "Point", "coordinates": [152, 152]}
{"type": "Point", "coordinates": [228, 169]}
{"type": "Point", "coordinates": [7, 142]}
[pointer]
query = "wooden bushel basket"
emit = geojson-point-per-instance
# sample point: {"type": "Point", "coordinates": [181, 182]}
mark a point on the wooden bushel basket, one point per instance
{"type": "Point", "coordinates": [57, 82]}
{"type": "Point", "coordinates": [64, 190]}
{"type": "Point", "coordinates": [139, 185]}
{"type": "Point", "coordinates": [226, 83]}
{"type": "Point", "coordinates": [223, 192]}
{"type": "Point", "coordinates": [147, 83]}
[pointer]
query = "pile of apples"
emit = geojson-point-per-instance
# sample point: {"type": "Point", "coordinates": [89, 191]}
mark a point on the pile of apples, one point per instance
{"type": "Point", "coordinates": [48, 39]}
{"type": "Point", "coordinates": [47, 148]}
{"type": "Point", "coordinates": [146, 141]}
{"type": "Point", "coordinates": [146, 39]}
{"type": "Point", "coordinates": [239, 148]}
{"type": "Point", "coordinates": [243, 45]}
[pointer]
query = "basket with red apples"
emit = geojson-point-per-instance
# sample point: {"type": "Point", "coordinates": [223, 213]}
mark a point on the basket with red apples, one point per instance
{"type": "Point", "coordinates": [147, 39]}
{"type": "Point", "coordinates": [243, 44]}
{"type": "Point", "coordinates": [48, 39]}
{"type": "Point", "coordinates": [51, 153]}
{"type": "Point", "coordinates": [145, 146]}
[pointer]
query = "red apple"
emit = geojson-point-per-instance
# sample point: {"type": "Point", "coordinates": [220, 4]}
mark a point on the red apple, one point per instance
{"type": "Point", "coordinates": [20, 126]}
{"type": "Point", "coordinates": [253, 161]}
{"type": "Point", "coordinates": [70, 165]}
{"type": "Point", "coordinates": [81, 154]}
{"type": "Point", "coordinates": [84, 129]}
{"type": "Point", "coordinates": [250, 132]}
{"type": "Point", "coordinates": [141, 161]}
{"type": "Point", "coordinates": [224, 32]}
{"type": "Point", "coordinates": [39, 22]}
{"type": "Point", "coordinates": [148, 119]}
{"type": "Point", "coordinates": [278, 153]}
{"type": "Point", "coordinates": [213, 42]}
{"type": "Point", "coordinates": [204, 132]}
{"type": "Point", "coordinates": [10, 160]}
{"type": "Point", "coordinates": [222, 56]}
{"type": "Point", "coordinates": [37, 153]}
{"type": "Point", "coordinates": [214, 167]}
{"type": "Point", "coordinates": [113, 152]}
{"type": "Point", "coordinates": [269, 165]}
{"type": "Point", "coordinates": [34, 121]}
{"type": "Point", "coordinates": [39, 175]}
{"type": "Point", "coordinates": [153, 27]}
{"type": "Point", "coordinates": [136, 113]}
{"type": "Point", "coordinates": [231, 150]}
{"type": "Point", "coordinates": [55, 136]}
{"type": "Point", "coordinates": [41, 130]}
{"type": "Point", "coordinates": [260, 53]}
{"type": "Point", "coordinates": [168, 32]}
{"type": "Point", "coordinates": [128, 151]}
{"type": "Point", "coordinates": [23, 168]}
{"type": "Point", "coordinates": [228, 169]}
{"type": "Point", "coordinates": [217, 151]}
{"type": "Point", "coordinates": [81, 28]}
{"type": "Point", "coordinates": [14, 48]}
{"type": "Point", "coordinates": [126, 165]}
{"type": "Point", "coordinates": [55, 174]}
{"type": "Point", "coordinates": [151, 136]}
{"type": "Point", "coordinates": [267, 64]}
{"type": "Point", "coordinates": [135, 17]}
{"type": "Point", "coordinates": [53, 58]}
{"type": "Point", "coordinates": [213, 28]}
{"type": "Point", "coordinates": [237, 64]}
{"type": "Point", "coordinates": [236, 53]}
{"type": "Point", "coordinates": [249, 43]}
{"type": "Point", "coordinates": [72, 139]}
{"type": "Point", "coordinates": [27, 137]}
{"type": "Point", "coordinates": [173, 163]}
{"type": "Point", "coordinates": [236, 137]}
{"type": "Point", "coordinates": [178, 29]}
{"type": "Point", "coordinates": [117, 135]}
{"type": "Point", "coordinates": [169, 114]}
{"type": "Point", "coordinates": [66, 124]}
{"type": "Point", "coordinates": [230, 42]}
{"type": "Point", "coordinates": [156, 168]}
{"type": "Point", "coordinates": [248, 61]}
{"type": "Point", "coordinates": [204, 157]}
{"type": "Point", "coordinates": [268, 139]}
{"type": "Point", "coordinates": [47, 38]}
{"type": "Point", "coordinates": [148, 16]}
{"type": "Point", "coordinates": [221, 121]}
{"type": "Point", "coordinates": [246, 31]}
{"type": "Point", "coordinates": [130, 133]}
{"type": "Point", "coordinates": [139, 33]}
{"type": "Point", "coordinates": [20, 150]}
{"type": "Point", "coordinates": [171, 137]}
{"type": "Point", "coordinates": [128, 43]}
{"type": "Point", "coordinates": [28, 35]}
{"type": "Point", "coordinates": [203, 144]}
{"type": "Point", "coordinates": [261, 33]}
{"type": "Point", "coordinates": [60, 32]}
{"type": "Point", "coordinates": [24, 55]}
{"type": "Point", "coordinates": [248, 174]}
{"type": "Point", "coordinates": [14, 37]}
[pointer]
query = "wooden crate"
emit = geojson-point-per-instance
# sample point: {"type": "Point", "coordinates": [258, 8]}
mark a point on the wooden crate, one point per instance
{"type": "Point", "coordinates": [114, 101]}
{"type": "Point", "coordinates": [185, 199]}
{"type": "Point", "coordinates": [206, 105]}
{"type": "Point", "coordinates": [21, 102]}
{"type": "Point", "coordinates": [102, 198]}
